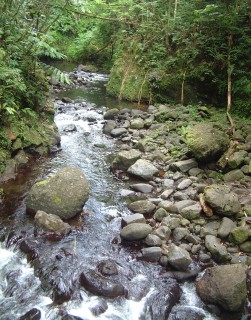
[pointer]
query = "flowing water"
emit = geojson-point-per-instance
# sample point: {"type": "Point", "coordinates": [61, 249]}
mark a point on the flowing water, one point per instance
{"type": "Point", "coordinates": [27, 285]}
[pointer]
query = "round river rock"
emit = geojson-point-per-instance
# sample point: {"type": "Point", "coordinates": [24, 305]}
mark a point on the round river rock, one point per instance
{"type": "Point", "coordinates": [63, 194]}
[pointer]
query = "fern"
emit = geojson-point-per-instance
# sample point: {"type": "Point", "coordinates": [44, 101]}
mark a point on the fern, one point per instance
{"type": "Point", "coordinates": [55, 73]}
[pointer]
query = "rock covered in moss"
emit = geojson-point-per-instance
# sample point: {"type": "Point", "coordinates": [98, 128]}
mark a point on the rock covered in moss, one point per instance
{"type": "Point", "coordinates": [206, 142]}
{"type": "Point", "coordinates": [236, 159]}
{"type": "Point", "coordinates": [111, 114]}
{"type": "Point", "coordinates": [125, 159]}
{"type": "Point", "coordinates": [239, 234]}
{"type": "Point", "coordinates": [222, 200]}
{"type": "Point", "coordinates": [63, 194]}
{"type": "Point", "coordinates": [224, 285]}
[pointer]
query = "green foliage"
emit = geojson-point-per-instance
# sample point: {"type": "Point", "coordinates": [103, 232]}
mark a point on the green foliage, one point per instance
{"type": "Point", "coordinates": [23, 42]}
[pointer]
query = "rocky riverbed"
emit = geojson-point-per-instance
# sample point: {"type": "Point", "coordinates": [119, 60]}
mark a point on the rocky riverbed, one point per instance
{"type": "Point", "coordinates": [186, 186]}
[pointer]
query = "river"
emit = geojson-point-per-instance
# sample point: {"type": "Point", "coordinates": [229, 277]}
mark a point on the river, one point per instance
{"type": "Point", "coordinates": [28, 285]}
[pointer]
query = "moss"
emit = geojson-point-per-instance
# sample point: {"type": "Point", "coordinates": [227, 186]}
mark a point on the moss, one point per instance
{"type": "Point", "coordinates": [56, 199]}
{"type": "Point", "coordinates": [42, 183]}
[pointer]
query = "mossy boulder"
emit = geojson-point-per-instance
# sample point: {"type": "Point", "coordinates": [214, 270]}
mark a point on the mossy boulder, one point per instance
{"type": "Point", "coordinates": [224, 285]}
{"type": "Point", "coordinates": [63, 194]}
{"type": "Point", "coordinates": [206, 142]}
{"type": "Point", "coordinates": [126, 158]}
{"type": "Point", "coordinates": [239, 234]}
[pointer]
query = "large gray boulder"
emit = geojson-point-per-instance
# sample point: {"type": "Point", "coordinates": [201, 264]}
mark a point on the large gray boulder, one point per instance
{"type": "Point", "coordinates": [178, 258]}
{"type": "Point", "coordinates": [125, 159]}
{"type": "Point", "coordinates": [222, 200]}
{"type": "Point", "coordinates": [224, 285]}
{"type": "Point", "coordinates": [135, 231]}
{"type": "Point", "coordinates": [63, 194]}
{"type": "Point", "coordinates": [206, 142]}
{"type": "Point", "coordinates": [143, 169]}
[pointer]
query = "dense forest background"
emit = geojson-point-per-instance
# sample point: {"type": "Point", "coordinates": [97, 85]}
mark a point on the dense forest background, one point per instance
{"type": "Point", "coordinates": [175, 51]}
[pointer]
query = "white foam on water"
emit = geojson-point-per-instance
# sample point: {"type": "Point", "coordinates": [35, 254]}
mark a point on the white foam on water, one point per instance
{"type": "Point", "coordinates": [190, 298]}
{"type": "Point", "coordinates": [121, 308]}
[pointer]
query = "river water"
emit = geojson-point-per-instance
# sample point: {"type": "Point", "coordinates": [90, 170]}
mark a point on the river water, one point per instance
{"type": "Point", "coordinates": [95, 237]}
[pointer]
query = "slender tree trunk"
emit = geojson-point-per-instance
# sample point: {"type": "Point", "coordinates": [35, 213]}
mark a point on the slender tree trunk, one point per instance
{"type": "Point", "coordinates": [182, 88]}
{"type": "Point", "coordinates": [229, 84]}
{"type": "Point", "coordinates": [175, 10]}
{"type": "Point", "coordinates": [169, 2]}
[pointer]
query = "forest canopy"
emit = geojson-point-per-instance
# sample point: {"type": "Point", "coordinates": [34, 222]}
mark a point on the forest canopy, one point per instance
{"type": "Point", "coordinates": [168, 51]}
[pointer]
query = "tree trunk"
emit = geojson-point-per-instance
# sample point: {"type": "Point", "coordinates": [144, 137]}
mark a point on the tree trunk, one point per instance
{"type": "Point", "coordinates": [175, 10]}
{"type": "Point", "coordinates": [229, 84]}
{"type": "Point", "coordinates": [182, 88]}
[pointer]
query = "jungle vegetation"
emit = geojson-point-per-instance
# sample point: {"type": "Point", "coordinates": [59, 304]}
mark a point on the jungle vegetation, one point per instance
{"type": "Point", "coordinates": [170, 50]}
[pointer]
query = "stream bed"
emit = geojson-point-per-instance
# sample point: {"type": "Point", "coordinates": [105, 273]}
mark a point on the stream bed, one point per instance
{"type": "Point", "coordinates": [45, 283]}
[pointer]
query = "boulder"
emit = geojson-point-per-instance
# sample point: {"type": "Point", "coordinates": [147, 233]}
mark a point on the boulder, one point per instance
{"type": "Point", "coordinates": [218, 251]}
{"type": "Point", "coordinates": [224, 285]}
{"type": "Point", "coordinates": [206, 142]}
{"type": "Point", "coordinates": [184, 184]}
{"type": "Point", "coordinates": [109, 126]}
{"type": "Point", "coordinates": [63, 194]}
{"type": "Point", "coordinates": [152, 254]}
{"type": "Point", "coordinates": [180, 233]}
{"type": "Point", "coordinates": [239, 234]}
{"type": "Point", "coordinates": [246, 247]}
{"type": "Point", "coordinates": [236, 159]}
{"type": "Point", "coordinates": [222, 200]}
{"type": "Point", "coordinates": [226, 226]}
{"type": "Point", "coordinates": [191, 212]}
{"type": "Point", "coordinates": [135, 231]}
{"type": "Point", "coordinates": [153, 240]}
{"type": "Point", "coordinates": [70, 128]}
{"type": "Point", "coordinates": [111, 114]}
{"type": "Point", "coordinates": [117, 132]}
{"type": "Point", "coordinates": [177, 207]}
{"type": "Point", "coordinates": [160, 214]}
{"type": "Point", "coordinates": [33, 314]}
{"type": "Point", "coordinates": [137, 123]}
{"type": "Point", "coordinates": [133, 218]}
{"type": "Point", "coordinates": [143, 169]}
{"type": "Point", "coordinates": [187, 313]}
{"type": "Point", "coordinates": [171, 222]}
{"type": "Point", "coordinates": [162, 232]}
{"type": "Point", "coordinates": [108, 267]}
{"type": "Point", "coordinates": [184, 165]}
{"type": "Point", "coordinates": [125, 159]}
{"type": "Point", "coordinates": [100, 285]}
{"type": "Point", "coordinates": [142, 187]}
{"type": "Point", "coordinates": [142, 206]}
{"type": "Point", "coordinates": [178, 258]}
{"type": "Point", "coordinates": [234, 175]}
{"type": "Point", "coordinates": [51, 222]}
